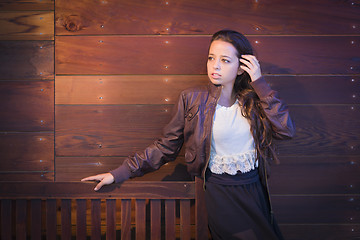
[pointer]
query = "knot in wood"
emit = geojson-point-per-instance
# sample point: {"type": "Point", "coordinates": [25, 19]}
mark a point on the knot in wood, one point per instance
{"type": "Point", "coordinates": [72, 24]}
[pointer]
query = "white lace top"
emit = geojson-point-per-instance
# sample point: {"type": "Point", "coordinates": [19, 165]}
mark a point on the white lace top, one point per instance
{"type": "Point", "coordinates": [232, 144]}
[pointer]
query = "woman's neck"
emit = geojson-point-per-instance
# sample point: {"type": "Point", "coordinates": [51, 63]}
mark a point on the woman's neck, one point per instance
{"type": "Point", "coordinates": [227, 97]}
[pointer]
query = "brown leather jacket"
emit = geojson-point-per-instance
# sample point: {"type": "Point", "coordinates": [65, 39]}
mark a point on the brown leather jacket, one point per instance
{"type": "Point", "coordinates": [191, 125]}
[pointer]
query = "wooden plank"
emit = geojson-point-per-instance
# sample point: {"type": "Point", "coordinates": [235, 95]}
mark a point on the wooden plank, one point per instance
{"type": "Point", "coordinates": [201, 220]}
{"type": "Point", "coordinates": [21, 217]}
{"type": "Point", "coordinates": [82, 190]}
{"type": "Point", "coordinates": [27, 105]}
{"type": "Point", "coordinates": [310, 54]}
{"type": "Point", "coordinates": [317, 89]}
{"type": "Point", "coordinates": [75, 168]}
{"type": "Point", "coordinates": [27, 151]}
{"type": "Point", "coordinates": [111, 219]}
{"type": "Point", "coordinates": [27, 25]}
{"type": "Point", "coordinates": [126, 219]}
{"type": "Point", "coordinates": [140, 219]}
{"type": "Point", "coordinates": [324, 175]}
{"type": "Point", "coordinates": [185, 219]}
{"type": "Point", "coordinates": [83, 127]}
{"type": "Point", "coordinates": [26, 5]}
{"type": "Point", "coordinates": [155, 219]}
{"type": "Point", "coordinates": [35, 176]}
{"type": "Point", "coordinates": [328, 130]}
{"type": "Point", "coordinates": [316, 209]}
{"type": "Point", "coordinates": [322, 130]}
{"type": "Point", "coordinates": [81, 219]}
{"type": "Point", "coordinates": [320, 231]}
{"type": "Point", "coordinates": [165, 89]}
{"type": "Point", "coordinates": [66, 219]}
{"type": "Point", "coordinates": [21, 60]}
{"type": "Point", "coordinates": [127, 89]}
{"type": "Point", "coordinates": [36, 219]}
{"type": "Point", "coordinates": [170, 219]}
{"type": "Point", "coordinates": [316, 175]}
{"type": "Point", "coordinates": [205, 17]}
{"type": "Point", "coordinates": [6, 219]}
{"type": "Point", "coordinates": [51, 219]}
{"type": "Point", "coordinates": [95, 219]}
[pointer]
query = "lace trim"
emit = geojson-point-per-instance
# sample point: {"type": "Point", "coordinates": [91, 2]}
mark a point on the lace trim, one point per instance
{"type": "Point", "coordinates": [230, 164]}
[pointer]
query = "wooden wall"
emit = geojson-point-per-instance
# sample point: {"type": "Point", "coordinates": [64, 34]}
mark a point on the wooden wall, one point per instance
{"type": "Point", "coordinates": [27, 90]}
{"type": "Point", "coordinates": [77, 101]}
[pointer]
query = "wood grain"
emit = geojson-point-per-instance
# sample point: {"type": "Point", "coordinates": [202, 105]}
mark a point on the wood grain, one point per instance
{"type": "Point", "coordinates": [317, 209]}
{"type": "Point", "coordinates": [36, 222]}
{"type": "Point", "coordinates": [165, 89]}
{"type": "Point", "coordinates": [95, 219]}
{"type": "Point", "coordinates": [21, 217]}
{"type": "Point", "coordinates": [185, 216]}
{"type": "Point", "coordinates": [320, 231]}
{"type": "Point", "coordinates": [170, 217]}
{"type": "Point", "coordinates": [74, 168]}
{"type": "Point", "coordinates": [27, 5]}
{"type": "Point", "coordinates": [140, 219]}
{"type": "Point", "coordinates": [111, 219]}
{"type": "Point", "coordinates": [82, 190]}
{"type": "Point", "coordinates": [28, 60]}
{"type": "Point", "coordinates": [6, 219]}
{"type": "Point", "coordinates": [66, 219]}
{"type": "Point", "coordinates": [322, 130]}
{"type": "Point", "coordinates": [316, 175]}
{"type": "Point", "coordinates": [205, 17]}
{"type": "Point", "coordinates": [27, 25]}
{"type": "Point", "coordinates": [316, 89]}
{"type": "Point", "coordinates": [74, 134]}
{"type": "Point", "coordinates": [27, 105]}
{"type": "Point", "coordinates": [51, 221]}
{"type": "Point", "coordinates": [126, 219]}
{"type": "Point", "coordinates": [27, 151]}
{"type": "Point", "coordinates": [123, 89]}
{"type": "Point", "coordinates": [131, 55]}
{"type": "Point", "coordinates": [81, 219]}
{"type": "Point", "coordinates": [295, 174]}
{"type": "Point", "coordinates": [23, 176]}
{"type": "Point", "coordinates": [155, 219]}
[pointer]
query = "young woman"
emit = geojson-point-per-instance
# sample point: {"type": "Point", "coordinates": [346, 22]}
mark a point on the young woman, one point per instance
{"type": "Point", "coordinates": [227, 128]}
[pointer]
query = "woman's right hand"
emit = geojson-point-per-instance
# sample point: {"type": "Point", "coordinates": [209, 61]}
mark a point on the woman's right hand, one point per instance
{"type": "Point", "coordinates": [105, 179]}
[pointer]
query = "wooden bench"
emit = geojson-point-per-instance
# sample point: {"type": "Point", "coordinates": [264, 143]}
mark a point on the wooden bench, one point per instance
{"type": "Point", "coordinates": [159, 210]}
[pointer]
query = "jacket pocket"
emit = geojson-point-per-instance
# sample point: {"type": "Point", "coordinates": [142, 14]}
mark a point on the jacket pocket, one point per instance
{"type": "Point", "coordinates": [191, 113]}
{"type": "Point", "coordinates": [189, 156]}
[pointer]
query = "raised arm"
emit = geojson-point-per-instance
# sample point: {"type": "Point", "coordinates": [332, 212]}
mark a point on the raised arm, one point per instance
{"type": "Point", "coordinates": [275, 109]}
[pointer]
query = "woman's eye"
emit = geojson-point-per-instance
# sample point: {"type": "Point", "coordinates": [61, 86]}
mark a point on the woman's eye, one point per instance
{"type": "Point", "coordinates": [210, 58]}
{"type": "Point", "coordinates": [225, 61]}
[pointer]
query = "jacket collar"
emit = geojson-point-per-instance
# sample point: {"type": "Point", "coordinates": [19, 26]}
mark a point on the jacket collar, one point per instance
{"type": "Point", "coordinates": [214, 90]}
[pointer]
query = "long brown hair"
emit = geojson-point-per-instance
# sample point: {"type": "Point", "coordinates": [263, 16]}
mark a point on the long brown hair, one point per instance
{"type": "Point", "coordinates": [251, 108]}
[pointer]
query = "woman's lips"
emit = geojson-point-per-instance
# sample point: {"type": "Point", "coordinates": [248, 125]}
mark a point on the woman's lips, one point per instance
{"type": "Point", "coordinates": [215, 75]}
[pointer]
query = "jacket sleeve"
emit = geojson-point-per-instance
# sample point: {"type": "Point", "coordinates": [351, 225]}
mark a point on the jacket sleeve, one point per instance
{"type": "Point", "coordinates": [275, 109]}
{"type": "Point", "coordinates": [160, 152]}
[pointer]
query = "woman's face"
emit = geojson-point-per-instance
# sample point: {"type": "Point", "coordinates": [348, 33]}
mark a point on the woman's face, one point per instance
{"type": "Point", "coordinates": [223, 64]}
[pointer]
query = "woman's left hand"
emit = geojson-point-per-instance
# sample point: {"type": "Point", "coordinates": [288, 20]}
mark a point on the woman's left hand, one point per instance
{"type": "Point", "coordinates": [251, 65]}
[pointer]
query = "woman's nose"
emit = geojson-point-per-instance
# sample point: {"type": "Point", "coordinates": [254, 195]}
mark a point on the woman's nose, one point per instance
{"type": "Point", "coordinates": [216, 65]}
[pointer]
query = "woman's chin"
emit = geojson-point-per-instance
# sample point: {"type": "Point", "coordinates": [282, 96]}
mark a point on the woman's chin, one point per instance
{"type": "Point", "coordinates": [215, 81]}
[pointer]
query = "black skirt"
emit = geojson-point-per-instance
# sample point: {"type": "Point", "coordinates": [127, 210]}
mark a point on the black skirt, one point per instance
{"type": "Point", "coordinates": [238, 207]}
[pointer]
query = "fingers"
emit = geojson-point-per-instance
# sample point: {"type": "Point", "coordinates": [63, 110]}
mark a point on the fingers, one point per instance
{"type": "Point", "coordinates": [100, 184]}
{"type": "Point", "coordinates": [249, 60]}
{"type": "Point", "coordinates": [98, 177]}
{"type": "Point", "coordinates": [251, 65]}
{"type": "Point", "coordinates": [105, 179]}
